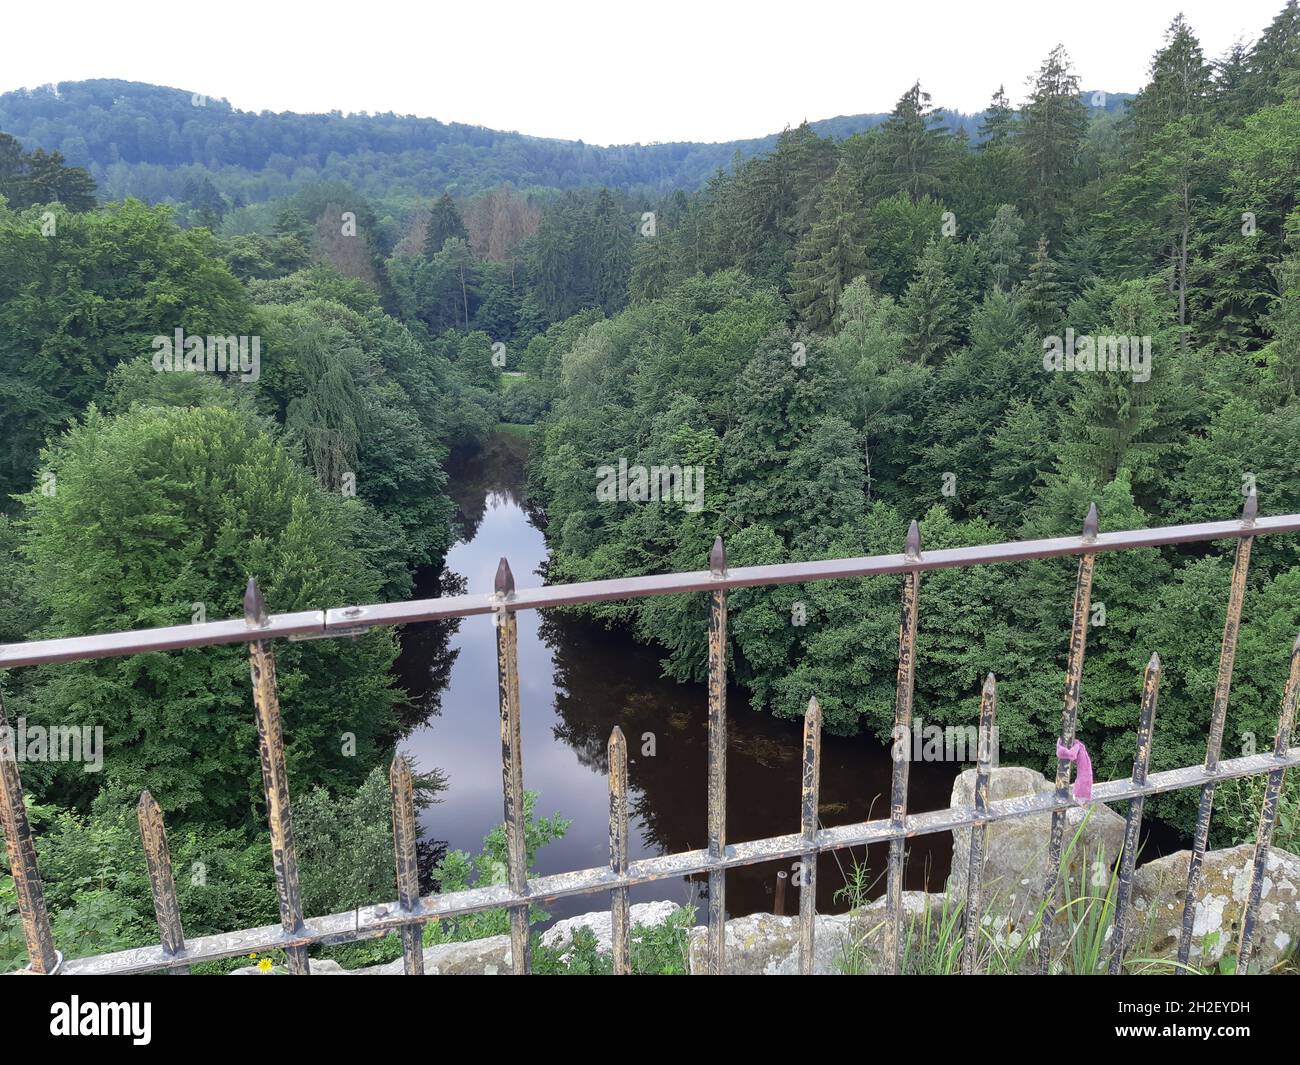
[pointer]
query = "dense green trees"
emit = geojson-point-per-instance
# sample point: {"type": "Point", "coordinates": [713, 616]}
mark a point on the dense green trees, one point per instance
{"type": "Point", "coordinates": [581, 255]}
{"type": "Point", "coordinates": [77, 301]}
{"type": "Point", "coordinates": [159, 515]}
{"type": "Point", "coordinates": [832, 254]}
{"type": "Point", "coordinates": [148, 141]}
{"type": "Point", "coordinates": [842, 332]}
{"type": "Point", "coordinates": [444, 223]}
{"type": "Point", "coordinates": [41, 177]}
{"type": "Point", "coordinates": [912, 148]}
{"type": "Point", "coordinates": [158, 493]}
{"type": "Point", "coordinates": [929, 279]}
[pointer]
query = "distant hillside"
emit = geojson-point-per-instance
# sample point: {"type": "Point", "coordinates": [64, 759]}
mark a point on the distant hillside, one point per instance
{"type": "Point", "coordinates": [149, 141]}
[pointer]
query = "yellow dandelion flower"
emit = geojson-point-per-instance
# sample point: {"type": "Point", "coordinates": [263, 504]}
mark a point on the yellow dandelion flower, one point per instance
{"type": "Point", "coordinates": [264, 965]}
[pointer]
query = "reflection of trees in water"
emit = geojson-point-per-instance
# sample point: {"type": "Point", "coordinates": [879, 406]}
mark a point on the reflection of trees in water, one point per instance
{"type": "Point", "coordinates": [423, 668]}
{"type": "Point", "coordinates": [573, 687]}
{"type": "Point", "coordinates": [428, 853]}
{"type": "Point", "coordinates": [603, 679]}
{"type": "Point", "coordinates": [498, 470]}
{"type": "Point", "coordinates": [490, 475]}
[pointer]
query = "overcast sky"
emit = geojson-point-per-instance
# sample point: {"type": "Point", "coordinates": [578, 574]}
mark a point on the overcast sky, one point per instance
{"type": "Point", "coordinates": [605, 72]}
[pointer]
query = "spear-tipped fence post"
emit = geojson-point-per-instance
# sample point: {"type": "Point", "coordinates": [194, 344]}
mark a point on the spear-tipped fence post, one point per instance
{"type": "Point", "coordinates": [1133, 822]}
{"type": "Point", "coordinates": [1214, 742]}
{"type": "Point", "coordinates": [406, 858]}
{"type": "Point", "coordinates": [901, 750]}
{"type": "Point", "coordinates": [975, 867]}
{"type": "Point", "coordinates": [1069, 722]}
{"type": "Point", "coordinates": [812, 771]}
{"type": "Point", "coordinates": [717, 813]}
{"type": "Point", "coordinates": [620, 912]}
{"type": "Point", "coordinates": [275, 777]}
{"type": "Point", "coordinates": [162, 885]}
{"type": "Point", "coordinates": [512, 765]}
{"type": "Point", "coordinates": [1268, 813]}
{"type": "Point", "coordinates": [42, 957]}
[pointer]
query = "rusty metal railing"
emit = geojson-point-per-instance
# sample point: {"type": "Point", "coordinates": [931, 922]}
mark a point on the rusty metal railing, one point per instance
{"type": "Point", "coordinates": [295, 934]}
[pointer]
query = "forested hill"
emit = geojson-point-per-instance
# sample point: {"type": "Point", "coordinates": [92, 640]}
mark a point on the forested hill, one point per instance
{"type": "Point", "coordinates": [145, 141]}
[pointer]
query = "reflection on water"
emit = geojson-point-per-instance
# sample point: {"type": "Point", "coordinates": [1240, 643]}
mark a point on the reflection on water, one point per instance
{"type": "Point", "coordinates": [577, 681]}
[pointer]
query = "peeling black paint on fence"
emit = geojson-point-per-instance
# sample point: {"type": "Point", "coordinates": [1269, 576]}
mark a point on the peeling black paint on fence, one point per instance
{"type": "Point", "coordinates": [1214, 742]}
{"type": "Point", "coordinates": [901, 734]}
{"type": "Point", "coordinates": [1268, 813]}
{"type": "Point", "coordinates": [975, 867]}
{"type": "Point", "coordinates": [275, 777]}
{"type": "Point", "coordinates": [406, 860]}
{"type": "Point", "coordinates": [21, 848]}
{"type": "Point", "coordinates": [1069, 721]}
{"type": "Point", "coordinates": [410, 913]}
{"type": "Point", "coordinates": [1133, 822]}
{"type": "Point", "coordinates": [351, 619]}
{"type": "Point", "coordinates": [717, 759]}
{"type": "Point", "coordinates": [512, 766]}
{"type": "Point", "coordinates": [166, 906]}
{"type": "Point", "coordinates": [620, 910]}
{"type": "Point", "coordinates": [811, 787]}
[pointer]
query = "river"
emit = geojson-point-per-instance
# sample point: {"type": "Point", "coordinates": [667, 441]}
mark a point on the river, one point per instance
{"type": "Point", "coordinates": [577, 681]}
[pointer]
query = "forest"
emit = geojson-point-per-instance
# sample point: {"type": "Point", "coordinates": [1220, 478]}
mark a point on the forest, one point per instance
{"type": "Point", "coordinates": [148, 141]}
{"type": "Point", "coordinates": [845, 326]}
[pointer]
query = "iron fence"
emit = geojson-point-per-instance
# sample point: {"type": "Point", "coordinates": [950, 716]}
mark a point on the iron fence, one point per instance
{"type": "Point", "coordinates": [295, 933]}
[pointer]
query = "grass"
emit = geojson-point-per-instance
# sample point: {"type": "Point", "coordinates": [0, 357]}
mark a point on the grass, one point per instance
{"type": "Point", "coordinates": [933, 940]}
{"type": "Point", "coordinates": [511, 427]}
{"type": "Point", "coordinates": [659, 950]}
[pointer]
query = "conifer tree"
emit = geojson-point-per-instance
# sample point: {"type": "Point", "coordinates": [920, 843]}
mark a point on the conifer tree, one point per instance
{"type": "Point", "coordinates": [1050, 134]}
{"type": "Point", "coordinates": [609, 251]}
{"type": "Point", "coordinates": [1181, 84]}
{"type": "Point", "coordinates": [445, 222]}
{"type": "Point", "coordinates": [929, 309]}
{"type": "Point", "coordinates": [912, 147]}
{"type": "Point", "coordinates": [999, 118]}
{"type": "Point", "coordinates": [46, 178]}
{"type": "Point", "coordinates": [1273, 70]}
{"type": "Point", "coordinates": [999, 246]}
{"type": "Point", "coordinates": [1041, 299]}
{"type": "Point", "coordinates": [832, 254]}
{"type": "Point", "coordinates": [1230, 76]}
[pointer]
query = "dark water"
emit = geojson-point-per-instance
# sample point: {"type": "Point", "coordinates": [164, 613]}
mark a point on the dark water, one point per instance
{"type": "Point", "coordinates": [577, 681]}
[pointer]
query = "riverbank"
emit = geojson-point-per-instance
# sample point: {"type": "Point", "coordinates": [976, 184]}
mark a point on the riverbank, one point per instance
{"type": "Point", "coordinates": [577, 682]}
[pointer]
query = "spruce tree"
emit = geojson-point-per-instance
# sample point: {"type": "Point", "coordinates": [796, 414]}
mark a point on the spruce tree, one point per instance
{"type": "Point", "coordinates": [608, 239]}
{"type": "Point", "coordinates": [1154, 204]}
{"type": "Point", "coordinates": [1041, 299]}
{"type": "Point", "coordinates": [445, 222]}
{"type": "Point", "coordinates": [999, 247]}
{"type": "Point", "coordinates": [929, 309]}
{"type": "Point", "coordinates": [1181, 84]}
{"type": "Point", "coordinates": [999, 118]}
{"type": "Point", "coordinates": [48, 179]}
{"type": "Point", "coordinates": [832, 254]}
{"type": "Point", "coordinates": [911, 147]}
{"type": "Point", "coordinates": [1231, 74]}
{"type": "Point", "coordinates": [1274, 65]}
{"type": "Point", "coordinates": [1050, 134]}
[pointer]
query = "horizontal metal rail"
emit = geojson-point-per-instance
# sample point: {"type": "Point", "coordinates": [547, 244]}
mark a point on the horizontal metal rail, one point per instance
{"type": "Point", "coordinates": [342, 619]}
{"type": "Point", "coordinates": [294, 934]}
{"type": "Point", "coordinates": [370, 922]}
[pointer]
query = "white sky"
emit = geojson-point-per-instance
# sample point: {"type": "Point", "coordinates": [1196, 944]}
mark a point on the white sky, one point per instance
{"type": "Point", "coordinates": [604, 72]}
